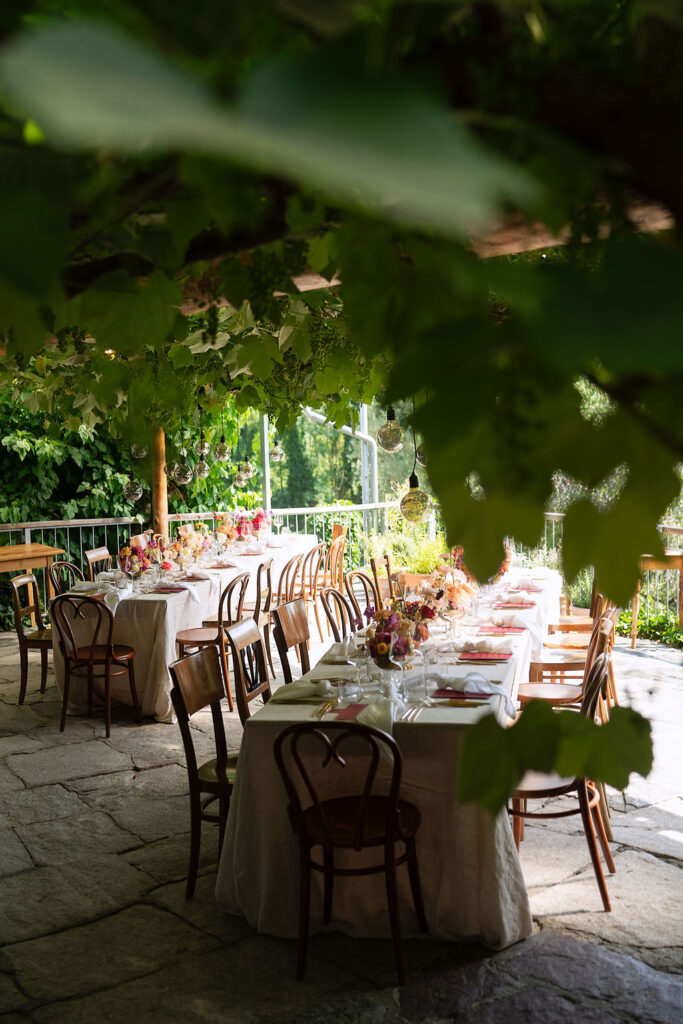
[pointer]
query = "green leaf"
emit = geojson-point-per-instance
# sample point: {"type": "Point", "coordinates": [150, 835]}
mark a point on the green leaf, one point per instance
{"type": "Point", "coordinates": [33, 238]}
{"type": "Point", "coordinates": [373, 143]}
{"type": "Point", "coordinates": [254, 356]}
{"type": "Point", "coordinates": [124, 315]}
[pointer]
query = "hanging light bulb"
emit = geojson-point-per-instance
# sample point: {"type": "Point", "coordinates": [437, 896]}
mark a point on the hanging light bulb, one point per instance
{"type": "Point", "coordinates": [391, 435]}
{"type": "Point", "coordinates": [138, 451]}
{"type": "Point", "coordinates": [420, 456]}
{"type": "Point", "coordinates": [170, 469]}
{"type": "Point", "coordinates": [132, 489]}
{"type": "Point", "coordinates": [183, 473]}
{"type": "Point", "coordinates": [202, 470]}
{"type": "Point", "coordinates": [247, 469]}
{"type": "Point", "coordinates": [203, 446]}
{"type": "Point", "coordinates": [276, 453]}
{"type": "Point", "coordinates": [415, 505]}
{"type": "Point", "coordinates": [221, 452]}
{"type": "Point", "coordinates": [240, 480]}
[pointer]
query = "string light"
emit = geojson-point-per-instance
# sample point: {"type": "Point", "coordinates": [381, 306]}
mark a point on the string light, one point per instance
{"type": "Point", "coordinates": [391, 436]}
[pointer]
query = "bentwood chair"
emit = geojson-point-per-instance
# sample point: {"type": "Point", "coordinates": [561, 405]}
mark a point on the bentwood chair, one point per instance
{"type": "Point", "coordinates": [287, 583]}
{"type": "Point", "coordinates": [98, 560]}
{"type": "Point", "coordinates": [63, 576]}
{"type": "Point", "coordinates": [250, 674]}
{"type": "Point", "coordinates": [310, 580]}
{"type": "Point", "coordinates": [212, 634]}
{"type": "Point", "coordinates": [309, 754]}
{"type": "Point", "coordinates": [260, 610]}
{"type": "Point", "coordinates": [539, 786]}
{"type": "Point", "coordinates": [291, 631]}
{"type": "Point", "coordinates": [386, 588]}
{"type": "Point", "coordinates": [95, 658]}
{"type": "Point", "coordinates": [340, 615]}
{"type": "Point", "coordinates": [26, 602]}
{"type": "Point", "coordinates": [198, 684]}
{"type": "Point", "coordinates": [579, 623]}
{"type": "Point", "coordinates": [359, 585]}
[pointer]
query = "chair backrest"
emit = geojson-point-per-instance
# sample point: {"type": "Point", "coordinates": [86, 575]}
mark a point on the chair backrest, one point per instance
{"type": "Point", "coordinates": [140, 540]}
{"type": "Point", "coordinates": [63, 575]}
{"type": "Point", "coordinates": [231, 604]}
{"type": "Point", "coordinates": [197, 684]}
{"type": "Point", "coordinates": [96, 556]}
{"type": "Point", "coordinates": [70, 609]}
{"type": "Point", "coordinates": [308, 753]}
{"type": "Point", "coordinates": [286, 587]}
{"type": "Point", "coordinates": [391, 582]}
{"type": "Point", "coordinates": [596, 686]}
{"type": "Point", "coordinates": [340, 614]}
{"type": "Point", "coordinates": [309, 571]}
{"type": "Point", "coordinates": [359, 584]}
{"type": "Point", "coordinates": [338, 531]}
{"type": "Point", "coordinates": [601, 637]}
{"type": "Point", "coordinates": [264, 591]}
{"type": "Point", "coordinates": [25, 602]}
{"type": "Point", "coordinates": [291, 630]}
{"type": "Point", "coordinates": [595, 597]}
{"type": "Point", "coordinates": [250, 675]}
{"type": "Point", "coordinates": [334, 562]}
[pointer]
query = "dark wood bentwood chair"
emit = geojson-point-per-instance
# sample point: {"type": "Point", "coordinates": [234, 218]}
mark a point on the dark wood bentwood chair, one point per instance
{"type": "Point", "coordinates": [376, 818]}
{"type": "Point", "coordinates": [39, 639]}
{"type": "Point", "coordinates": [96, 658]}
{"type": "Point", "coordinates": [98, 560]}
{"type": "Point", "coordinates": [250, 674]}
{"type": "Point", "coordinates": [63, 575]}
{"type": "Point", "coordinates": [261, 609]}
{"type": "Point", "coordinates": [198, 684]}
{"type": "Point", "coordinates": [361, 586]}
{"type": "Point", "coordinates": [340, 615]}
{"type": "Point", "coordinates": [539, 786]}
{"type": "Point", "coordinates": [212, 633]}
{"type": "Point", "coordinates": [291, 630]}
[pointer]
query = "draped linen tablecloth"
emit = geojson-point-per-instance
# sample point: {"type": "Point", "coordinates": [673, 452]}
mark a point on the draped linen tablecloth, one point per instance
{"type": "Point", "coordinates": [471, 877]}
{"type": "Point", "coordinates": [289, 545]}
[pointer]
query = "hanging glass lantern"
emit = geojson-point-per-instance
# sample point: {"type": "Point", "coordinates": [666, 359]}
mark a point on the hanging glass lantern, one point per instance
{"type": "Point", "coordinates": [203, 446]}
{"type": "Point", "coordinates": [183, 473]}
{"type": "Point", "coordinates": [139, 451]}
{"type": "Point", "coordinates": [221, 452]}
{"type": "Point", "coordinates": [170, 469]}
{"type": "Point", "coordinates": [132, 490]}
{"type": "Point", "coordinates": [391, 435]}
{"type": "Point", "coordinates": [415, 505]}
{"type": "Point", "coordinates": [276, 453]}
{"type": "Point", "coordinates": [420, 456]}
{"type": "Point", "coordinates": [247, 469]}
{"type": "Point", "coordinates": [202, 470]}
{"type": "Point", "coordinates": [240, 480]}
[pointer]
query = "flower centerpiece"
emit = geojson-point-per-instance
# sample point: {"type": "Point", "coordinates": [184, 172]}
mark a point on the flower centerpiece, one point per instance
{"type": "Point", "coordinates": [226, 531]}
{"type": "Point", "coordinates": [256, 523]}
{"type": "Point", "coordinates": [396, 633]}
{"type": "Point", "coordinates": [451, 587]}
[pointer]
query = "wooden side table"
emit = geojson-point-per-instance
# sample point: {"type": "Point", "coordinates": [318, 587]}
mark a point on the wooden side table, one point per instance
{"type": "Point", "coordinates": [24, 557]}
{"type": "Point", "coordinates": [672, 559]}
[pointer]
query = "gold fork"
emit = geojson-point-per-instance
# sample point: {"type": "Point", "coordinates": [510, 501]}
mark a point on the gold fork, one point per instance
{"type": "Point", "coordinates": [323, 709]}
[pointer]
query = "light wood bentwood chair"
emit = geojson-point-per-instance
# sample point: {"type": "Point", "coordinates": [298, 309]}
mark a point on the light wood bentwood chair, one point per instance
{"type": "Point", "coordinates": [99, 560]}
{"type": "Point", "coordinates": [375, 818]}
{"type": "Point", "coordinates": [291, 630]}
{"type": "Point", "coordinates": [310, 581]}
{"type": "Point", "coordinates": [359, 585]}
{"type": "Point", "coordinates": [39, 639]}
{"type": "Point", "coordinates": [260, 610]}
{"type": "Point", "coordinates": [198, 684]}
{"type": "Point", "coordinates": [341, 617]}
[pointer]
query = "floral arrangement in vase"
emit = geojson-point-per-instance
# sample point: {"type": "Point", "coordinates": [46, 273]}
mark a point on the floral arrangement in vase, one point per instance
{"type": "Point", "coordinates": [254, 523]}
{"type": "Point", "coordinates": [226, 531]}
{"type": "Point", "coordinates": [137, 558]}
{"type": "Point", "coordinates": [396, 633]}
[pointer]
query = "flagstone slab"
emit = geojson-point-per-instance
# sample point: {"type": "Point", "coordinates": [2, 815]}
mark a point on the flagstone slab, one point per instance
{"type": "Point", "coordinates": [116, 789]}
{"type": "Point", "coordinates": [154, 819]}
{"type": "Point", "coordinates": [13, 854]}
{"type": "Point", "coordinates": [9, 782]}
{"type": "Point", "coordinates": [70, 761]}
{"type": "Point", "coordinates": [87, 833]}
{"type": "Point", "coordinates": [167, 859]}
{"type": "Point", "coordinates": [158, 743]}
{"type": "Point", "coordinates": [42, 803]}
{"type": "Point", "coordinates": [51, 899]}
{"type": "Point", "coordinates": [108, 952]}
{"type": "Point", "coordinates": [202, 911]}
{"type": "Point", "coordinates": [11, 998]}
{"type": "Point", "coordinates": [19, 743]}
{"type": "Point", "coordinates": [17, 719]}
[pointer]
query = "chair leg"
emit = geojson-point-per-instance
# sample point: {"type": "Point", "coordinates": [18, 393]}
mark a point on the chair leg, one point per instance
{"type": "Point", "coordinates": [43, 669]}
{"type": "Point", "coordinates": [223, 807]}
{"type": "Point", "coordinates": [318, 623]}
{"type": "Point", "coordinates": [195, 842]}
{"type": "Point", "coordinates": [602, 836]}
{"type": "Point", "coordinates": [226, 674]}
{"type": "Point", "coordinates": [516, 821]}
{"type": "Point", "coordinates": [604, 811]}
{"type": "Point", "coordinates": [107, 701]}
{"type": "Point", "coordinates": [415, 886]}
{"type": "Point", "coordinates": [91, 684]}
{"type": "Point", "coordinates": [65, 696]}
{"type": "Point", "coordinates": [266, 633]}
{"type": "Point", "coordinates": [304, 913]}
{"type": "Point", "coordinates": [592, 845]}
{"type": "Point", "coordinates": [394, 919]}
{"type": "Point", "coordinates": [133, 690]}
{"type": "Point", "coordinates": [23, 663]}
{"type": "Point", "coordinates": [328, 884]}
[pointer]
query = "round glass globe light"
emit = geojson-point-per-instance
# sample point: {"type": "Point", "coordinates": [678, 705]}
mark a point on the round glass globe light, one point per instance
{"type": "Point", "coordinates": [391, 436]}
{"type": "Point", "coordinates": [138, 451]}
{"type": "Point", "coordinates": [203, 448]}
{"type": "Point", "coordinates": [276, 453]}
{"type": "Point", "coordinates": [132, 490]}
{"type": "Point", "coordinates": [415, 505]}
{"type": "Point", "coordinates": [240, 480]}
{"type": "Point", "coordinates": [221, 452]}
{"type": "Point", "coordinates": [183, 473]}
{"type": "Point", "coordinates": [202, 470]}
{"type": "Point", "coordinates": [247, 469]}
{"type": "Point", "coordinates": [420, 456]}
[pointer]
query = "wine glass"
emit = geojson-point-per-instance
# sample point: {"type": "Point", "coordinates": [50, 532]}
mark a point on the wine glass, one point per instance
{"type": "Point", "coordinates": [278, 520]}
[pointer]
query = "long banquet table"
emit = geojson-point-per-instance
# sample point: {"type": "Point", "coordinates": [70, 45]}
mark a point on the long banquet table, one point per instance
{"type": "Point", "coordinates": [150, 623]}
{"type": "Point", "coordinates": [471, 876]}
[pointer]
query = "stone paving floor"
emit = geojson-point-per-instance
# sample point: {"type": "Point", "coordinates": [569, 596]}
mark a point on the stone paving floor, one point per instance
{"type": "Point", "coordinates": [94, 926]}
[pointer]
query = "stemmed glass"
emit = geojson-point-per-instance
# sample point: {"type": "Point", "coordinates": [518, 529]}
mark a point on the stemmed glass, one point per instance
{"type": "Point", "coordinates": [278, 521]}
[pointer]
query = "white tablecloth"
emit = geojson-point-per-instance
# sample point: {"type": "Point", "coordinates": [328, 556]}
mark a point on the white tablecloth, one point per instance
{"type": "Point", "coordinates": [290, 545]}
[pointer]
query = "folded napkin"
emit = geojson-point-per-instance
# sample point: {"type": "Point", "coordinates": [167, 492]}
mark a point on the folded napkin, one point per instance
{"type": "Point", "coordinates": [526, 583]}
{"type": "Point", "coordinates": [83, 586]}
{"type": "Point", "coordinates": [223, 564]}
{"type": "Point", "coordinates": [381, 714]}
{"type": "Point", "coordinates": [492, 630]}
{"type": "Point", "coordinates": [107, 576]}
{"type": "Point", "coordinates": [336, 655]}
{"type": "Point", "coordinates": [516, 600]}
{"type": "Point", "coordinates": [526, 588]}
{"type": "Point", "coordinates": [491, 646]}
{"type": "Point", "coordinates": [195, 574]}
{"type": "Point", "coordinates": [322, 671]}
{"type": "Point", "coordinates": [176, 587]}
{"type": "Point", "coordinates": [520, 620]}
{"type": "Point", "coordinates": [349, 713]}
{"type": "Point", "coordinates": [475, 682]}
{"type": "Point", "coordinates": [305, 690]}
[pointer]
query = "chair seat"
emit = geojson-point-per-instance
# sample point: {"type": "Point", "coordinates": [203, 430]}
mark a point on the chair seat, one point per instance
{"type": "Point", "coordinates": [99, 652]}
{"type": "Point", "coordinates": [557, 661]}
{"type": "Point", "coordinates": [197, 637]}
{"type": "Point", "coordinates": [557, 693]}
{"type": "Point", "coordinates": [342, 816]}
{"type": "Point", "coordinates": [567, 641]}
{"type": "Point", "coordinates": [542, 784]}
{"type": "Point", "coordinates": [208, 772]}
{"type": "Point", "coordinates": [39, 638]}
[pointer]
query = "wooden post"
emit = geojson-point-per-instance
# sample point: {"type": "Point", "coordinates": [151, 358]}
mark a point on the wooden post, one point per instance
{"type": "Point", "coordinates": [159, 488]}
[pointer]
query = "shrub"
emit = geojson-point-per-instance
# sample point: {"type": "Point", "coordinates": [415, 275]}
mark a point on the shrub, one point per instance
{"type": "Point", "coordinates": [663, 628]}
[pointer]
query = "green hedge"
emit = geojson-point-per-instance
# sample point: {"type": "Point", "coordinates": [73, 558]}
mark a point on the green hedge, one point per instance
{"type": "Point", "coordinates": [663, 628]}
